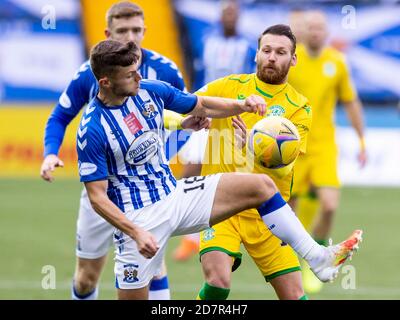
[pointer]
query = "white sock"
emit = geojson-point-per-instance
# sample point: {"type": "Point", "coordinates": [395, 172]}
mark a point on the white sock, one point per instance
{"type": "Point", "coordinates": [89, 296]}
{"type": "Point", "coordinates": [283, 223]}
{"type": "Point", "coordinates": [163, 294]}
{"type": "Point", "coordinates": [159, 289]}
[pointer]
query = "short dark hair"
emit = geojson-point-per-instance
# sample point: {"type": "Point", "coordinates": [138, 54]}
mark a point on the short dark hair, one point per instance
{"type": "Point", "coordinates": [123, 9]}
{"type": "Point", "coordinates": [280, 30]}
{"type": "Point", "coordinates": [109, 54]}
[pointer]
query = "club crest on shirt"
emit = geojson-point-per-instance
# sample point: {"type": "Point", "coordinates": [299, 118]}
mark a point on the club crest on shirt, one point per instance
{"type": "Point", "coordinates": [276, 110]}
{"type": "Point", "coordinates": [130, 273]}
{"type": "Point", "coordinates": [208, 234]}
{"type": "Point", "coordinates": [143, 148]}
{"type": "Point", "coordinates": [329, 69]}
{"type": "Point", "coordinates": [149, 110]}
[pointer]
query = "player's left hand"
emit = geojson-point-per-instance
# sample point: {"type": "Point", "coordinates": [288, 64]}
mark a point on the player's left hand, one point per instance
{"type": "Point", "coordinates": [240, 131]}
{"type": "Point", "coordinates": [255, 104]}
{"type": "Point", "coordinates": [195, 123]}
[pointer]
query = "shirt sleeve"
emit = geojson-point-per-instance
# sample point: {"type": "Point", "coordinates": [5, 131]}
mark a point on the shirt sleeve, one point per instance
{"type": "Point", "coordinates": [302, 119]}
{"type": "Point", "coordinates": [346, 88]}
{"type": "Point", "coordinates": [176, 100]}
{"type": "Point", "coordinates": [212, 89]}
{"type": "Point", "coordinates": [91, 148]}
{"type": "Point", "coordinates": [176, 78]}
{"type": "Point", "coordinates": [71, 101]}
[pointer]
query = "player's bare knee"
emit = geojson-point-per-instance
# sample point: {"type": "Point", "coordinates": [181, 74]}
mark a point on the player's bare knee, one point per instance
{"type": "Point", "coordinates": [328, 209]}
{"type": "Point", "coordinates": [85, 284]}
{"type": "Point", "coordinates": [219, 280]}
{"type": "Point", "coordinates": [265, 188]}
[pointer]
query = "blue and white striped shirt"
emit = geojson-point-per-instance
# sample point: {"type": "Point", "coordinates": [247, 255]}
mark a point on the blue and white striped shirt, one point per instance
{"type": "Point", "coordinates": [124, 144]}
{"type": "Point", "coordinates": [84, 87]}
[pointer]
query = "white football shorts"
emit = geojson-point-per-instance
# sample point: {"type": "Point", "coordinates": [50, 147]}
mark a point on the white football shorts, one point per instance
{"type": "Point", "coordinates": [185, 210]}
{"type": "Point", "coordinates": [94, 235]}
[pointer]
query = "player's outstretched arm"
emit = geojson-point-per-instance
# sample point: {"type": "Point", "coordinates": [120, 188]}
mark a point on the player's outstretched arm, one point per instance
{"type": "Point", "coordinates": [97, 192]}
{"type": "Point", "coordinates": [214, 107]}
{"type": "Point", "coordinates": [50, 162]}
{"type": "Point", "coordinates": [355, 114]}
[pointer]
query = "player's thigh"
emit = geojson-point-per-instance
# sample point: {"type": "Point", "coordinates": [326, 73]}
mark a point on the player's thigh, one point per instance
{"type": "Point", "coordinates": [240, 191]}
{"type": "Point", "coordinates": [89, 269]}
{"type": "Point", "coordinates": [94, 234]}
{"type": "Point", "coordinates": [272, 256]}
{"type": "Point", "coordinates": [222, 238]}
{"type": "Point", "coordinates": [329, 198]}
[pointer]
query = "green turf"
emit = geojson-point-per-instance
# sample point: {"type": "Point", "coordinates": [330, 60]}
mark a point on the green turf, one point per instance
{"type": "Point", "coordinates": [37, 228]}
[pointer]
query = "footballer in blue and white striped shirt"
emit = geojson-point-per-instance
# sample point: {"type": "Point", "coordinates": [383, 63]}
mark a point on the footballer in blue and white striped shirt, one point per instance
{"type": "Point", "coordinates": [129, 183]}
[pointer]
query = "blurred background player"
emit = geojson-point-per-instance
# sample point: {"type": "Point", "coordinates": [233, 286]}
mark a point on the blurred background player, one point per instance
{"type": "Point", "coordinates": [220, 245]}
{"type": "Point", "coordinates": [225, 52]}
{"type": "Point", "coordinates": [322, 75]}
{"type": "Point", "coordinates": [296, 23]}
{"type": "Point", "coordinates": [125, 22]}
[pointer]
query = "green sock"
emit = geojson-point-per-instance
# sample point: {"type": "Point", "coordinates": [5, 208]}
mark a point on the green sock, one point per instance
{"type": "Point", "coordinates": [208, 292]}
{"type": "Point", "coordinates": [322, 242]}
{"type": "Point", "coordinates": [304, 297]}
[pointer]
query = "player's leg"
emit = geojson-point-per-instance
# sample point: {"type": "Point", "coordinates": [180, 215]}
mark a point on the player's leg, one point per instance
{"type": "Point", "coordinates": [323, 173]}
{"type": "Point", "coordinates": [276, 260]}
{"type": "Point", "coordinates": [94, 238]}
{"type": "Point", "coordinates": [191, 155]}
{"type": "Point", "coordinates": [159, 286]}
{"type": "Point", "coordinates": [219, 255]}
{"type": "Point", "coordinates": [237, 192]}
{"type": "Point", "coordinates": [134, 272]}
{"type": "Point", "coordinates": [329, 200]}
{"type": "Point", "coordinates": [133, 294]}
{"type": "Point", "coordinates": [87, 274]}
{"type": "Point", "coordinates": [325, 180]}
{"type": "Point", "coordinates": [217, 268]}
{"type": "Point", "coordinates": [289, 286]}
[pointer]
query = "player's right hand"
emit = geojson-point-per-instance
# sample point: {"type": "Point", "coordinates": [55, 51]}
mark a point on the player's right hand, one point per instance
{"type": "Point", "coordinates": [146, 243]}
{"type": "Point", "coordinates": [48, 166]}
{"type": "Point", "coordinates": [255, 104]}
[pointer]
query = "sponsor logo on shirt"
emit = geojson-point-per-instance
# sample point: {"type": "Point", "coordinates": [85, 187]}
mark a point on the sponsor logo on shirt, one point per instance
{"type": "Point", "coordinates": [143, 148]}
{"type": "Point", "coordinates": [87, 168]}
{"type": "Point", "coordinates": [132, 123]}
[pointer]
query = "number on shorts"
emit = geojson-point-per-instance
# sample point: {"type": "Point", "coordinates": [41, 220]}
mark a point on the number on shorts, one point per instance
{"type": "Point", "coordinates": [191, 180]}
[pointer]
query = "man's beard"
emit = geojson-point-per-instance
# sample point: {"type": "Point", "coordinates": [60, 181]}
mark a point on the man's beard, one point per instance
{"type": "Point", "coordinates": [276, 77]}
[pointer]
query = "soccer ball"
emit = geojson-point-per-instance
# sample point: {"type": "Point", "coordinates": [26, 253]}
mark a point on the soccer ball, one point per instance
{"type": "Point", "coordinates": [274, 142]}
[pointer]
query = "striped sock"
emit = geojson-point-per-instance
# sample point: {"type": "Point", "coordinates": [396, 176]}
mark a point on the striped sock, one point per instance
{"type": "Point", "coordinates": [159, 289]}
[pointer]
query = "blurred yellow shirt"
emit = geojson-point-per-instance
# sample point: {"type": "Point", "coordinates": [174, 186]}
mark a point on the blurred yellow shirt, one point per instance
{"type": "Point", "coordinates": [323, 80]}
{"type": "Point", "coordinates": [282, 100]}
